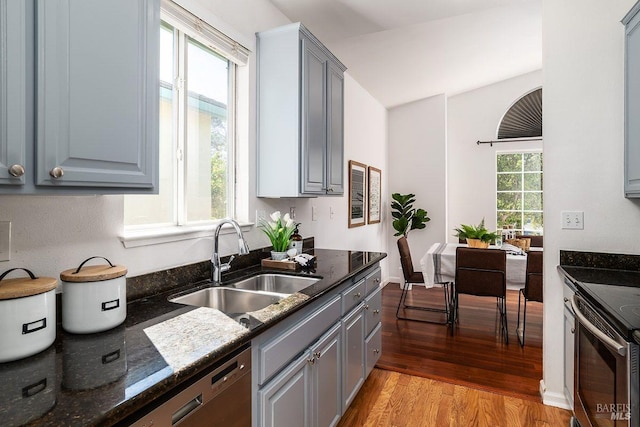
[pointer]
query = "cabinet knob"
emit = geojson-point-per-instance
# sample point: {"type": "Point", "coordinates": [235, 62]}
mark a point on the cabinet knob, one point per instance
{"type": "Point", "coordinates": [376, 311]}
{"type": "Point", "coordinates": [573, 330]}
{"type": "Point", "coordinates": [357, 295]}
{"type": "Point", "coordinates": [566, 299]}
{"type": "Point", "coordinates": [377, 280]}
{"type": "Point", "coordinates": [376, 351]}
{"type": "Point", "coordinates": [317, 354]}
{"type": "Point", "coordinates": [366, 307]}
{"type": "Point", "coordinates": [16, 170]}
{"type": "Point", "coordinates": [312, 360]}
{"type": "Point", "coordinates": [329, 190]}
{"type": "Point", "coordinates": [56, 172]}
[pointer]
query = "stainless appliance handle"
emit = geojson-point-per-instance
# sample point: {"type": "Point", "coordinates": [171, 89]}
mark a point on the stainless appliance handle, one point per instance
{"type": "Point", "coordinates": [608, 341]}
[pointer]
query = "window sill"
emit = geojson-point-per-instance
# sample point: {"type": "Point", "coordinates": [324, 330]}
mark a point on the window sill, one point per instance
{"type": "Point", "coordinates": [155, 236]}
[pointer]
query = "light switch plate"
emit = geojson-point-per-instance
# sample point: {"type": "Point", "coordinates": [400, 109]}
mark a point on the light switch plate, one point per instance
{"type": "Point", "coordinates": [573, 220]}
{"type": "Point", "coordinates": [5, 240]}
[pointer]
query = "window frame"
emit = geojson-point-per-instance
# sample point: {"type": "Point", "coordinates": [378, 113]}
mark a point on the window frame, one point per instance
{"type": "Point", "coordinates": [522, 191]}
{"type": "Point", "coordinates": [186, 26]}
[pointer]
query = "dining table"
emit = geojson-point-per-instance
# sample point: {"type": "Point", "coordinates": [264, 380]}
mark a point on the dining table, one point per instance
{"type": "Point", "coordinates": [439, 264]}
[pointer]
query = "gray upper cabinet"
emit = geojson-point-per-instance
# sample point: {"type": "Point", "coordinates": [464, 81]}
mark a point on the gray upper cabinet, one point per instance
{"type": "Point", "coordinates": [632, 103]}
{"type": "Point", "coordinates": [96, 98]}
{"type": "Point", "coordinates": [300, 115]}
{"type": "Point", "coordinates": [16, 77]}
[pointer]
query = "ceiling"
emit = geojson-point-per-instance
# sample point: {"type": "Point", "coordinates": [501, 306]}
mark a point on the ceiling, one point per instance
{"type": "Point", "coordinates": [404, 50]}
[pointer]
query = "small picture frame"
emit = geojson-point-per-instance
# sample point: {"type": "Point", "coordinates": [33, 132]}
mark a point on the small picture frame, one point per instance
{"type": "Point", "coordinates": [357, 196]}
{"type": "Point", "coordinates": [374, 181]}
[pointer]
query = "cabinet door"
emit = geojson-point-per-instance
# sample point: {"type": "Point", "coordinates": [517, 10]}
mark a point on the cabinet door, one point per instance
{"type": "Point", "coordinates": [373, 310]}
{"type": "Point", "coordinates": [335, 132]}
{"type": "Point", "coordinates": [16, 74]}
{"type": "Point", "coordinates": [353, 362]}
{"type": "Point", "coordinates": [327, 378]}
{"type": "Point", "coordinates": [632, 107]}
{"type": "Point", "coordinates": [313, 119]}
{"type": "Point", "coordinates": [285, 401]}
{"type": "Point", "coordinates": [97, 93]}
{"type": "Point", "coordinates": [373, 349]}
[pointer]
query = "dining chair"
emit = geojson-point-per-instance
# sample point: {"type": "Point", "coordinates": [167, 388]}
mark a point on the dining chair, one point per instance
{"type": "Point", "coordinates": [410, 277]}
{"type": "Point", "coordinates": [532, 290]}
{"type": "Point", "coordinates": [481, 272]}
{"type": "Point", "coordinates": [536, 241]}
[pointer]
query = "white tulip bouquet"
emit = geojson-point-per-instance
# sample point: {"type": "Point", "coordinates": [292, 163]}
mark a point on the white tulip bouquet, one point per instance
{"type": "Point", "coordinates": [279, 230]}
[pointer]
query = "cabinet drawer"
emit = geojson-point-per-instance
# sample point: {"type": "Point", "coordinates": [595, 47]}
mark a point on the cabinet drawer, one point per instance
{"type": "Point", "coordinates": [353, 296]}
{"type": "Point", "coordinates": [373, 281]}
{"type": "Point", "coordinates": [274, 354]}
{"type": "Point", "coordinates": [373, 311]}
{"type": "Point", "coordinates": [373, 349]}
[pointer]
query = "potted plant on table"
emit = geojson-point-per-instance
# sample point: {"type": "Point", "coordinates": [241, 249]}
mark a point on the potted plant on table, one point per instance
{"type": "Point", "coordinates": [476, 236]}
{"type": "Point", "coordinates": [279, 231]}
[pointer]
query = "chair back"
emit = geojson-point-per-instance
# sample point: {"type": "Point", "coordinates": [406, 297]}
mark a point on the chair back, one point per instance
{"type": "Point", "coordinates": [407, 263]}
{"type": "Point", "coordinates": [481, 272]}
{"type": "Point", "coordinates": [533, 283]}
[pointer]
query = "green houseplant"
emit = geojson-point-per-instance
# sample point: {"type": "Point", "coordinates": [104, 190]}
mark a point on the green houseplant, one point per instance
{"type": "Point", "coordinates": [405, 217]}
{"type": "Point", "coordinates": [279, 231]}
{"type": "Point", "coordinates": [476, 236]}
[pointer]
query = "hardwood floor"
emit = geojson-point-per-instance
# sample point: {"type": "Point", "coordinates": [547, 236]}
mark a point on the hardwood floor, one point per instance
{"type": "Point", "coordinates": [475, 356]}
{"type": "Point", "coordinates": [394, 399]}
{"type": "Point", "coordinates": [428, 378]}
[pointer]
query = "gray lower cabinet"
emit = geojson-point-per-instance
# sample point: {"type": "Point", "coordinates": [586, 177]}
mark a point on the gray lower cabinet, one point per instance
{"type": "Point", "coordinates": [307, 392]}
{"type": "Point", "coordinates": [632, 103]}
{"type": "Point", "coordinates": [299, 78]}
{"type": "Point", "coordinates": [308, 368]}
{"type": "Point", "coordinates": [93, 127]}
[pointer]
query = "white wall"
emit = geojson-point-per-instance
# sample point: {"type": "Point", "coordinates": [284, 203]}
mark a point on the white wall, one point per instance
{"type": "Point", "coordinates": [417, 137]}
{"type": "Point", "coordinates": [51, 234]}
{"type": "Point", "coordinates": [474, 116]}
{"type": "Point", "coordinates": [583, 142]}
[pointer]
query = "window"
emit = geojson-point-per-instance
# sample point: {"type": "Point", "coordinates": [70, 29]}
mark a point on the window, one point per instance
{"type": "Point", "coordinates": [198, 67]}
{"type": "Point", "coordinates": [519, 192]}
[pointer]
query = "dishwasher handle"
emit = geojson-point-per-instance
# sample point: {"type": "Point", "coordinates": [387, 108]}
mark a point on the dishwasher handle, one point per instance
{"type": "Point", "coordinates": [187, 409]}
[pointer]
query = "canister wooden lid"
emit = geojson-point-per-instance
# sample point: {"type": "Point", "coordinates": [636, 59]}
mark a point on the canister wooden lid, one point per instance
{"type": "Point", "coordinates": [93, 273]}
{"type": "Point", "coordinates": [25, 286]}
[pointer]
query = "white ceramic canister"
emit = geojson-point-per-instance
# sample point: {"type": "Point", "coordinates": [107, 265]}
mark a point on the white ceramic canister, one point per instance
{"type": "Point", "coordinates": [27, 315]}
{"type": "Point", "coordinates": [94, 298]}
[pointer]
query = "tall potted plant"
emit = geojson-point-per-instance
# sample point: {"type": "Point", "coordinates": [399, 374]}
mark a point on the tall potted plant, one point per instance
{"type": "Point", "coordinates": [405, 216]}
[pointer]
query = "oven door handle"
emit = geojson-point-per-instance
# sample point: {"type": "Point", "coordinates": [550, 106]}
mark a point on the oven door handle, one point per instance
{"type": "Point", "coordinates": [607, 340]}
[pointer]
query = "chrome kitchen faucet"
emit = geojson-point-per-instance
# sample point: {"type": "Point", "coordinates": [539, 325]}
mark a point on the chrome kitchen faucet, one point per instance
{"type": "Point", "coordinates": [217, 269]}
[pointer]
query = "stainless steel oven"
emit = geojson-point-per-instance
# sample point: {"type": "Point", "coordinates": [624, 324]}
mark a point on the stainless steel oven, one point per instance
{"type": "Point", "coordinates": [606, 371]}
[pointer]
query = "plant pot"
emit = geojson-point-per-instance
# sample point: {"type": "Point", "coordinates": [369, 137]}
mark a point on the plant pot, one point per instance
{"type": "Point", "coordinates": [477, 243]}
{"type": "Point", "coordinates": [278, 256]}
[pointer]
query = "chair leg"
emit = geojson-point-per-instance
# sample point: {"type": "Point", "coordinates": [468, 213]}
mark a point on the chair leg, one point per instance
{"type": "Point", "coordinates": [403, 296]}
{"type": "Point", "coordinates": [505, 327]}
{"type": "Point", "coordinates": [519, 331]}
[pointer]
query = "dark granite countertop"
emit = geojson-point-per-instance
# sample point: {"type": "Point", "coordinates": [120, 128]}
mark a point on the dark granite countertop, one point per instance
{"type": "Point", "coordinates": [103, 378]}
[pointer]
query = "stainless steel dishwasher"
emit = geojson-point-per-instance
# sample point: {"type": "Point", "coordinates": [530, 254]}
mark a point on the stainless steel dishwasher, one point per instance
{"type": "Point", "coordinates": [222, 397]}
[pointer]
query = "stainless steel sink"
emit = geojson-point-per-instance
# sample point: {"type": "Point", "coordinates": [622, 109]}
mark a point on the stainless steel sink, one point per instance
{"type": "Point", "coordinates": [229, 300]}
{"type": "Point", "coordinates": [279, 283]}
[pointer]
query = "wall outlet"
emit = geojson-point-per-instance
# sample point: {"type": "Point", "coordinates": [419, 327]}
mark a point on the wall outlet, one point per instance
{"type": "Point", "coordinates": [573, 220]}
{"type": "Point", "coordinates": [331, 212]}
{"type": "Point", "coordinates": [5, 240]}
{"type": "Point", "coordinates": [314, 213]}
{"type": "Point", "coordinates": [292, 212]}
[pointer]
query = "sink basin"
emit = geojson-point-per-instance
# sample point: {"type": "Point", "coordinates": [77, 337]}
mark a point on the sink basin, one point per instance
{"type": "Point", "coordinates": [279, 283]}
{"type": "Point", "coordinates": [229, 300]}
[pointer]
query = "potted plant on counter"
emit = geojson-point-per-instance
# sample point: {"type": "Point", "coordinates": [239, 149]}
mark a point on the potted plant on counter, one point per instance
{"type": "Point", "coordinates": [476, 236]}
{"type": "Point", "coordinates": [279, 231]}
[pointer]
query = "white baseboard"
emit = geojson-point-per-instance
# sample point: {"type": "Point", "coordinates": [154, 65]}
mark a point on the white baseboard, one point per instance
{"type": "Point", "coordinates": [558, 400]}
